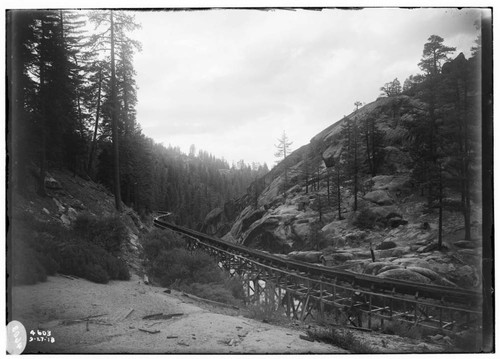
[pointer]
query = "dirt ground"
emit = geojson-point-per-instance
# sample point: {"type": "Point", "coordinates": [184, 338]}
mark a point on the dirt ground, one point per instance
{"type": "Point", "coordinates": [115, 322]}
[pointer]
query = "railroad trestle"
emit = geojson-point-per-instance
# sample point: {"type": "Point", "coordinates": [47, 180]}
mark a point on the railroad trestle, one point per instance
{"type": "Point", "coordinates": [330, 300]}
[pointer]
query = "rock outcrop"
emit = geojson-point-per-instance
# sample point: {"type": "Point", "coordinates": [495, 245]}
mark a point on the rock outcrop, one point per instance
{"type": "Point", "coordinates": [312, 210]}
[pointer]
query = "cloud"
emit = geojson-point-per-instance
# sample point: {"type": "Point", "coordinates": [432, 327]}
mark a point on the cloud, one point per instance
{"type": "Point", "coordinates": [230, 81]}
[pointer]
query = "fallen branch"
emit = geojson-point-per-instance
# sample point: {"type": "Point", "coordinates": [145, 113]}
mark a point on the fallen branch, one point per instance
{"type": "Point", "coordinates": [149, 331]}
{"type": "Point", "coordinates": [101, 323]}
{"type": "Point", "coordinates": [162, 316]}
{"type": "Point", "coordinates": [130, 312]}
{"type": "Point", "coordinates": [95, 316]}
{"type": "Point", "coordinates": [81, 320]}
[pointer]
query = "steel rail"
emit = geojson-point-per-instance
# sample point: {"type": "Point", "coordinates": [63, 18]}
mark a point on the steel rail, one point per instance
{"type": "Point", "coordinates": [465, 297]}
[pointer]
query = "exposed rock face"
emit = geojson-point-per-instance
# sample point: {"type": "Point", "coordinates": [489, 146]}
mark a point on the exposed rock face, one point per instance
{"type": "Point", "coordinates": [396, 222]}
{"type": "Point", "coordinates": [379, 197]}
{"type": "Point", "coordinates": [404, 274]}
{"type": "Point", "coordinates": [296, 215]}
{"type": "Point", "coordinates": [254, 216]}
{"type": "Point", "coordinates": [52, 183]}
{"type": "Point", "coordinates": [378, 215]}
{"type": "Point", "coordinates": [266, 234]}
{"type": "Point", "coordinates": [397, 185]}
{"type": "Point", "coordinates": [331, 155]}
{"type": "Point", "coordinates": [386, 245]}
{"type": "Point", "coordinates": [213, 221]}
{"type": "Point", "coordinates": [329, 229]}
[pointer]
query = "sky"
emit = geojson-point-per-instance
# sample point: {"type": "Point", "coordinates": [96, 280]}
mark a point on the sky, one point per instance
{"type": "Point", "coordinates": [231, 81]}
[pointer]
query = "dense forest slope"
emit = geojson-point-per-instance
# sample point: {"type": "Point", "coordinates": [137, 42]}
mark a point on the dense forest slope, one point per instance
{"type": "Point", "coordinates": [400, 176]}
{"type": "Point", "coordinates": [72, 106]}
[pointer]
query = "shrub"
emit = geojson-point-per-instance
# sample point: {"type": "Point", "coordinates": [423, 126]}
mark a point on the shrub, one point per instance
{"type": "Point", "coordinates": [107, 232]}
{"type": "Point", "coordinates": [266, 312]}
{"type": "Point", "coordinates": [27, 263]}
{"type": "Point", "coordinates": [171, 264]}
{"type": "Point", "coordinates": [158, 239]}
{"type": "Point", "coordinates": [236, 288]}
{"type": "Point", "coordinates": [406, 330]}
{"type": "Point", "coordinates": [365, 219]}
{"type": "Point", "coordinates": [40, 249]}
{"type": "Point", "coordinates": [27, 270]}
{"type": "Point", "coordinates": [180, 265]}
{"type": "Point", "coordinates": [49, 264]}
{"type": "Point", "coordinates": [95, 273]}
{"type": "Point", "coordinates": [87, 260]}
{"type": "Point", "coordinates": [342, 338]}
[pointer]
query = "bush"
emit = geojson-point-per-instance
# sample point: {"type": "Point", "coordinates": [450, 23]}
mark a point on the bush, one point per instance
{"type": "Point", "coordinates": [49, 264]}
{"type": "Point", "coordinates": [27, 270]}
{"type": "Point", "coordinates": [89, 261]}
{"type": "Point", "coordinates": [39, 249]}
{"type": "Point", "coordinates": [158, 239]}
{"type": "Point", "coordinates": [27, 263]}
{"type": "Point", "coordinates": [266, 312]}
{"type": "Point", "coordinates": [365, 219]}
{"type": "Point", "coordinates": [341, 338]}
{"type": "Point", "coordinates": [236, 287]}
{"type": "Point", "coordinates": [107, 232]}
{"type": "Point", "coordinates": [95, 273]}
{"type": "Point", "coordinates": [180, 265]}
{"type": "Point", "coordinates": [171, 264]}
{"type": "Point", "coordinates": [406, 330]}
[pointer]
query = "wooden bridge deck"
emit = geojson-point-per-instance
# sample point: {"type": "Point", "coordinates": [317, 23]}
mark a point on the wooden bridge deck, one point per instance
{"type": "Point", "coordinates": [336, 295]}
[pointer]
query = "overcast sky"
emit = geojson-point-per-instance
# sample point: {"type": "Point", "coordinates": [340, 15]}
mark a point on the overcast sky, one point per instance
{"type": "Point", "coordinates": [231, 81]}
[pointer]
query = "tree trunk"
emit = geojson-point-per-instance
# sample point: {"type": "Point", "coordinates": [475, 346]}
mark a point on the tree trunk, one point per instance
{"type": "Point", "coordinates": [320, 208]}
{"type": "Point", "coordinates": [43, 130]}
{"type": "Point", "coordinates": [374, 166]}
{"type": "Point", "coordinates": [467, 171]}
{"type": "Point", "coordinates": [355, 166]}
{"type": "Point", "coordinates": [338, 193]}
{"type": "Point", "coordinates": [369, 156]}
{"type": "Point", "coordinates": [328, 184]}
{"type": "Point", "coordinates": [114, 122]}
{"type": "Point", "coordinates": [317, 180]}
{"type": "Point", "coordinates": [94, 138]}
{"type": "Point", "coordinates": [440, 230]}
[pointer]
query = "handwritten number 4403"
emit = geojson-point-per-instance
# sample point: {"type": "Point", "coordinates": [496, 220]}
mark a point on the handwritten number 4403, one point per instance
{"type": "Point", "coordinates": [41, 336]}
{"type": "Point", "coordinates": [41, 333]}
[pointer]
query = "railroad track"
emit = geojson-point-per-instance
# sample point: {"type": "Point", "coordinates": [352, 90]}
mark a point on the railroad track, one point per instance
{"type": "Point", "coordinates": [318, 288]}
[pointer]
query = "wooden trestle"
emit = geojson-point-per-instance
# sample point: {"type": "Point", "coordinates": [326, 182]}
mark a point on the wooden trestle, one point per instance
{"type": "Point", "coordinates": [329, 301]}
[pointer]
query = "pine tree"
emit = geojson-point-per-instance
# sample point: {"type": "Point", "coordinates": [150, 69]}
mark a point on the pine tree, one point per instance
{"type": "Point", "coordinates": [113, 36]}
{"type": "Point", "coordinates": [283, 149]}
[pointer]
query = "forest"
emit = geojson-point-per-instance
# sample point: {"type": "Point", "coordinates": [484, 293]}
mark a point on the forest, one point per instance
{"type": "Point", "coordinates": [72, 105]}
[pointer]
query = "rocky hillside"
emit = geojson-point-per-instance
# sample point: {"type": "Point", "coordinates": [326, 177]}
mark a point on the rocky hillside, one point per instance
{"type": "Point", "coordinates": [69, 197]}
{"type": "Point", "coordinates": [308, 213]}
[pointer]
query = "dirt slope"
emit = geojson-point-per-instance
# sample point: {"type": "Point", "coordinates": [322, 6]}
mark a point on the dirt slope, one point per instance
{"type": "Point", "coordinates": [58, 304]}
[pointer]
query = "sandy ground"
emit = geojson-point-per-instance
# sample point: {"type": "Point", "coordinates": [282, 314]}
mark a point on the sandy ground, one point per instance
{"type": "Point", "coordinates": [61, 306]}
